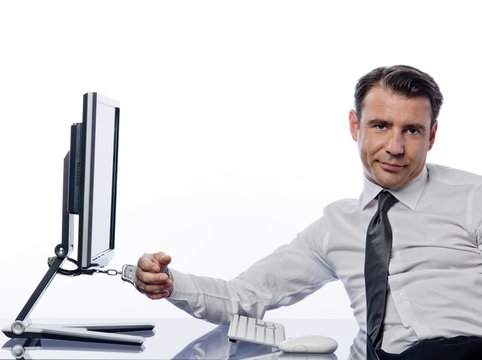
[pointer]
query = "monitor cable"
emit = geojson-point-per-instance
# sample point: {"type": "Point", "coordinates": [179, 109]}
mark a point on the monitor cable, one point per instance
{"type": "Point", "coordinates": [75, 272]}
{"type": "Point", "coordinates": [127, 273]}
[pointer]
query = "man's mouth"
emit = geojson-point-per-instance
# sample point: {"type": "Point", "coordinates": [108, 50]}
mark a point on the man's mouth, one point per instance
{"type": "Point", "coordinates": [391, 166]}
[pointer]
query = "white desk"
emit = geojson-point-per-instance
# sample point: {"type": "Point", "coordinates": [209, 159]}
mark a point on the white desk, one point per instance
{"type": "Point", "coordinates": [186, 338]}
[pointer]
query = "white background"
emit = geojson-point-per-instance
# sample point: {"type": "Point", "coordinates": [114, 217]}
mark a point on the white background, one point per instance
{"type": "Point", "coordinates": [234, 128]}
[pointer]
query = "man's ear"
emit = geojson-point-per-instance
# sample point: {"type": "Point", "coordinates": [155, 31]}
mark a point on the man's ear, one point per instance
{"type": "Point", "coordinates": [433, 132]}
{"type": "Point", "coordinates": [354, 124]}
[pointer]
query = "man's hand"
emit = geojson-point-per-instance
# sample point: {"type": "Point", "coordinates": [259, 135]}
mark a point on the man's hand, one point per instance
{"type": "Point", "coordinates": [151, 279]}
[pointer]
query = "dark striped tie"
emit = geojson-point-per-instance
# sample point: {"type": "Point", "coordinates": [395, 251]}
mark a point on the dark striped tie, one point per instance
{"type": "Point", "coordinates": [377, 258]}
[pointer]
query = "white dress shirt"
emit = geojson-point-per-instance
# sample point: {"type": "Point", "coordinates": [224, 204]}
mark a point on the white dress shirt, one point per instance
{"type": "Point", "coordinates": [435, 267]}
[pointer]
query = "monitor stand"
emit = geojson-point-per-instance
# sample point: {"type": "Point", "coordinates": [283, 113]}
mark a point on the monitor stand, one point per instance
{"type": "Point", "coordinates": [100, 333]}
{"type": "Point", "coordinates": [22, 327]}
{"type": "Point", "coordinates": [104, 333]}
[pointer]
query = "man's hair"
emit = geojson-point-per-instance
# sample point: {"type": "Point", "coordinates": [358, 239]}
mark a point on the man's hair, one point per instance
{"type": "Point", "coordinates": [403, 80]}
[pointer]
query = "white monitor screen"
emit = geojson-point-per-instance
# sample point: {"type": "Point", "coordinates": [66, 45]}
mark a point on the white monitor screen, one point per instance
{"type": "Point", "coordinates": [103, 178]}
{"type": "Point", "coordinates": [97, 217]}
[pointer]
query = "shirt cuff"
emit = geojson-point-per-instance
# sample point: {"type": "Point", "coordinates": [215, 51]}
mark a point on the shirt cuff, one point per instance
{"type": "Point", "coordinates": [183, 286]}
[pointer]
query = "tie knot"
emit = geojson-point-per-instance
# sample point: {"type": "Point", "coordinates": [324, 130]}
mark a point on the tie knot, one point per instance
{"type": "Point", "coordinates": [386, 201]}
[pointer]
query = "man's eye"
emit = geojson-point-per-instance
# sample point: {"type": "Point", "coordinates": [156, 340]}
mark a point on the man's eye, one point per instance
{"type": "Point", "coordinates": [412, 131]}
{"type": "Point", "coordinates": [380, 127]}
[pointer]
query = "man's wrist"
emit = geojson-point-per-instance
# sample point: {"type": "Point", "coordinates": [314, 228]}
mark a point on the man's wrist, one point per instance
{"type": "Point", "coordinates": [169, 275]}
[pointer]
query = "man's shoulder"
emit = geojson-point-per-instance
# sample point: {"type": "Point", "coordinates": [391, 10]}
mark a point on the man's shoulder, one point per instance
{"type": "Point", "coordinates": [342, 209]}
{"type": "Point", "coordinates": [452, 176]}
{"type": "Point", "coordinates": [342, 205]}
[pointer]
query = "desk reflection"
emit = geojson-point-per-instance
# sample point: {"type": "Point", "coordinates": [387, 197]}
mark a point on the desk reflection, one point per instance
{"type": "Point", "coordinates": [20, 348]}
{"type": "Point", "coordinates": [214, 345]}
{"type": "Point", "coordinates": [170, 339]}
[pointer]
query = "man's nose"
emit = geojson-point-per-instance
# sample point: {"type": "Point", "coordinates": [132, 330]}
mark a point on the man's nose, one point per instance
{"type": "Point", "coordinates": [395, 144]}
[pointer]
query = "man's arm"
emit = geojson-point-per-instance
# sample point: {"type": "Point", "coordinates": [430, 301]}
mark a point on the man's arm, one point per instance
{"type": "Point", "coordinates": [282, 278]}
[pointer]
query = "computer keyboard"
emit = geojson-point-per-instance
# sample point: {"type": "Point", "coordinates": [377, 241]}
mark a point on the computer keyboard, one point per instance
{"type": "Point", "coordinates": [257, 331]}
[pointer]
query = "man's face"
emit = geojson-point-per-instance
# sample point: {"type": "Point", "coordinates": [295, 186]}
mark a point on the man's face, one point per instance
{"type": "Point", "coordinates": [393, 136]}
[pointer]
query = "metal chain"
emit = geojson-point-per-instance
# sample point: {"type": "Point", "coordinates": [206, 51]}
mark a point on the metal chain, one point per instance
{"type": "Point", "coordinates": [110, 272]}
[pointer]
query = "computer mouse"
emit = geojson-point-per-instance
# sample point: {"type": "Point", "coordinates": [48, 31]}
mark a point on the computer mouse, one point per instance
{"type": "Point", "coordinates": [309, 344]}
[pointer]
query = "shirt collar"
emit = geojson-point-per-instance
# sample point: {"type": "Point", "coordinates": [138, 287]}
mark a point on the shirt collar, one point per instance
{"type": "Point", "coordinates": [408, 195]}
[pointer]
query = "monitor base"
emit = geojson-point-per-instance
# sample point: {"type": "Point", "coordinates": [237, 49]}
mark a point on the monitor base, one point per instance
{"type": "Point", "coordinates": [103, 333]}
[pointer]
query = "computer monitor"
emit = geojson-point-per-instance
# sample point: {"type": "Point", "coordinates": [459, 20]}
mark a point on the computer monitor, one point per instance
{"type": "Point", "coordinates": [89, 192]}
{"type": "Point", "coordinates": [93, 179]}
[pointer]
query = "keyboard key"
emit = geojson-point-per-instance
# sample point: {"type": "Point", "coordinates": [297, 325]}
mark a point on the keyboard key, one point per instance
{"type": "Point", "coordinates": [257, 331]}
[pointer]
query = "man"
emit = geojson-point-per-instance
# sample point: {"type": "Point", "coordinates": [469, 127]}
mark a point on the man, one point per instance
{"type": "Point", "coordinates": [407, 251]}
